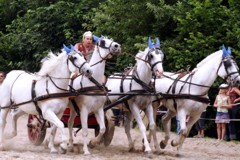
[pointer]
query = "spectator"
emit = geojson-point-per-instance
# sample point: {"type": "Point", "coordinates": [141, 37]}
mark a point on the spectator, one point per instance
{"type": "Point", "coordinates": [178, 130]}
{"type": "Point", "coordinates": [199, 125]}
{"type": "Point", "coordinates": [222, 102]}
{"type": "Point", "coordinates": [2, 77]}
{"type": "Point", "coordinates": [234, 94]}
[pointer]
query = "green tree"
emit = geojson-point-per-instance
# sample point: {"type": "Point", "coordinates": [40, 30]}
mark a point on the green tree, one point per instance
{"type": "Point", "coordinates": [42, 27]}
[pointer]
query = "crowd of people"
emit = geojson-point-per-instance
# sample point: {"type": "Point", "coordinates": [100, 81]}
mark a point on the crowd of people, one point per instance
{"type": "Point", "coordinates": [227, 106]}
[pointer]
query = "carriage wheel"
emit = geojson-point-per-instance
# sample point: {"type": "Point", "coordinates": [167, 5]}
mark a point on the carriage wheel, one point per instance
{"type": "Point", "coordinates": [36, 135]}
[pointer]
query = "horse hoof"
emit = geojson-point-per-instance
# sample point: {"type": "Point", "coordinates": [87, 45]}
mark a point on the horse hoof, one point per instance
{"type": "Point", "coordinates": [108, 136]}
{"type": "Point", "coordinates": [157, 152]}
{"type": "Point", "coordinates": [162, 145]}
{"type": "Point", "coordinates": [131, 147]}
{"type": "Point", "coordinates": [131, 150]}
{"type": "Point", "coordinates": [2, 148]}
{"type": "Point", "coordinates": [179, 155]}
{"type": "Point", "coordinates": [91, 145]}
{"type": "Point", "coordinates": [62, 150]}
{"type": "Point", "coordinates": [54, 151]}
{"type": "Point", "coordinates": [70, 149]}
{"type": "Point", "coordinates": [172, 143]}
{"type": "Point", "coordinates": [149, 154]}
{"type": "Point", "coordinates": [11, 136]}
{"type": "Point", "coordinates": [86, 153]}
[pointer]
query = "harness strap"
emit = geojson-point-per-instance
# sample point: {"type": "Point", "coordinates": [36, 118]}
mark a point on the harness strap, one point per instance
{"type": "Point", "coordinates": [123, 99]}
{"type": "Point", "coordinates": [35, 102]}
{"type": "Point", "coordinates": [198, 98]}
{"type": "Point", "coordinates": [75, 106]}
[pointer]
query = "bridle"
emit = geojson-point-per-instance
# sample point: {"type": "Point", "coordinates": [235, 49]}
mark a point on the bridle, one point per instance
{"type": "Point", "coordinates": [102, 44]}
{"type": "Point", "coordinates": [227, 63]}
{"type": "Point", "coordinates": [148, 61]}
{"type": "Point", "coordinates": [72, 59]}
{"type": "Point", "coordinates": [148, 57]}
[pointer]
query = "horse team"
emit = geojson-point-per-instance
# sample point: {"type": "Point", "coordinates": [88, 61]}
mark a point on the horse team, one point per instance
{"type": "Point", "coordinates": [45, 93]}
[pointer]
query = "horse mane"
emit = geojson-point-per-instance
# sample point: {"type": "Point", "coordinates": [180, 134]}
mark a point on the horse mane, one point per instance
{"type": "Point", "coordinates": [140, 54]}
{"type": "Point", "coordinates": [50, 62]}
{"type": "Point", "coordinates": [211, 56]}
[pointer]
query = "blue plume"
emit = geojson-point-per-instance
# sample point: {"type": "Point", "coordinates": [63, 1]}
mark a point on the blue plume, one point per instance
{"type": "Point", "coordinates": [157, 43]}
{"type": "Point", "coordinates": [229, 50]}
{"type": "Point", "coordinates": [72, 47]}
{"type": "Point", "coordinates": [150, 45]}
{"type": "Point", "coordinates": [95, 38]}
{"type": "Point", "coordinates": [225, 53]}
{"type": "Point", "coordinates": [68, 50]}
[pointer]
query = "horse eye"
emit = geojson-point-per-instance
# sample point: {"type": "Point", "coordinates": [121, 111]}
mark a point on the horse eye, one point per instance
{"type": "Point", "coordinates": [72, 58]}
{"type": "Point", "coordinates": [227, 63]}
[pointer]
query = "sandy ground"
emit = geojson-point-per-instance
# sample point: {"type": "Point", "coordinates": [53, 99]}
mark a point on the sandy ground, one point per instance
{"type": "Point", "coordinates": [20, 148]}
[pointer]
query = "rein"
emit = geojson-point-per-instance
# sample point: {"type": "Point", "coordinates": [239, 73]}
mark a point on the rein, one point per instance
{"type": "Point", "coordinates": [102, 58]}
{"type": "Point", "coordinates": [195, 84]}
{"type": "Point", "coordinates": [70, 58]}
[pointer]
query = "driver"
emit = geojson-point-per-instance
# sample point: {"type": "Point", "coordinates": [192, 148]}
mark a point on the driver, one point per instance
{"type": "Point", "coordinates": [86, 47]}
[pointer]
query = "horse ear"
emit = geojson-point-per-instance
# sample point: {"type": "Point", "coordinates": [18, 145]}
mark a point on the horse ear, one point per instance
{"type": "Point", "coordinates": [150, 45]}
{"type": "Point", "coordinates": [95, 38]}
{"type": "Point", "coordinates": [157, 42]}
{"type": "Point", "coordinates": [72, 47]}
{"type": "Point", "coordinates": [229, 51]}
{"type": "Point", "coordinates": [225, 53]}
{"type": "Point", "coordinates": [68, 50]}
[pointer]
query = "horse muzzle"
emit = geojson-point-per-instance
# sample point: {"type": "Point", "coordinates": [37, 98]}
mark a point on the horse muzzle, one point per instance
{"type": "Point", "coordinates": [88, 73]}
{"type": "Point", "coordinates": [116, 49]}
{"type": "Point", "coordinates": [158, 73]}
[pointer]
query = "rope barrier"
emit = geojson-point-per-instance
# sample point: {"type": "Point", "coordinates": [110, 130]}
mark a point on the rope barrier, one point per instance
{"type": "Point", "coordinates": [210, 119]}
{"type": "Point", "coordinates": [213, 119]}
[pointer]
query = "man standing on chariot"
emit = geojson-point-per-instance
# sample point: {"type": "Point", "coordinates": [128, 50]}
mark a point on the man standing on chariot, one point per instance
{"type": "Point", "coordinates": [87, 45]}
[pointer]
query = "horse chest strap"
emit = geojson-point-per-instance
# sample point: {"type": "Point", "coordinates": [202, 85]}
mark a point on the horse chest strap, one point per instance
{"type": "Point", "coordinates": [34, 96]}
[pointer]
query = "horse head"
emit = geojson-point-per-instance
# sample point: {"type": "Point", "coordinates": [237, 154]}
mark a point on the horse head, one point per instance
{"type": "Point", "coordinates": [107, 47]}
{"type": "Point", "coordinates": [76, 61]}
{"type": "Point", "coordinates": [155, 57]}
{"type": "Point", "coordinates": [228, 68]}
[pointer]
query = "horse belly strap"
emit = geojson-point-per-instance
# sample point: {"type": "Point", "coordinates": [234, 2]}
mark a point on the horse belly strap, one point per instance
{"type": "Point", "coordinates": [33, 97]}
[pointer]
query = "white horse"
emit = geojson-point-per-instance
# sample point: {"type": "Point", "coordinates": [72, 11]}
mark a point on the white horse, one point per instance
{"type": "Point", "coordinates": [24, 90]}
{"type": "Point", "coordinates": [186, 95]}
{"type": "Point", "coordinates": [137, 81]}
{"type": "Point", "coordinates": [104, 49]}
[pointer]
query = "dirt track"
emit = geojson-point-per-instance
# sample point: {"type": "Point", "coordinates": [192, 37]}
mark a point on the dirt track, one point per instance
{"type": "Point", "coordinates": [194, 148]}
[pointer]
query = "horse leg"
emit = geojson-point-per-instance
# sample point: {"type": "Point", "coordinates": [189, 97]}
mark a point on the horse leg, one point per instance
{"type": "Point", "coordinates": [166, 121]}
{"type": "Point", "coordinates": [136, 113]}
{"type": "Point", "coordinates": [3, 117]}
{"type": "Point", "coordinates": [155, 106]}
{"type": "Point", "coordinates": [101, 121]}
{"type": "Point", "coordinates": [84, 122]}
{"type": "Point", "coordinates": [152, 127]}
{"type": "Point", "coordinates": [15, 114]}
{"type": "Point", "coordinates": [127, 126]}
{"type": "Point", "coordinates": [183, 135]}
{"type": "Point", "coordinates": [51, 139]}
{"type": "Point", "coordinates": [110, 128]}
{"type": "Point", "coordinates": [53, 118]}
{"type": "Point", "coordinates": [72, 116]}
